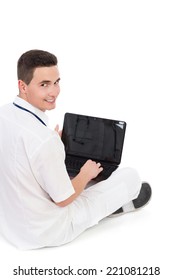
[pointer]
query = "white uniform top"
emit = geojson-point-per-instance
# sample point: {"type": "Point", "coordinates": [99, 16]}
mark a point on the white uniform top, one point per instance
{"type": "Point", "coordinates": [32, 176]}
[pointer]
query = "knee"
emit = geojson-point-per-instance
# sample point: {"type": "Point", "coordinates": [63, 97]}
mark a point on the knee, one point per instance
{"type": "Point", "coordinates": [132, 180]}
{"type": "Point", "coordinates": [131, 173]}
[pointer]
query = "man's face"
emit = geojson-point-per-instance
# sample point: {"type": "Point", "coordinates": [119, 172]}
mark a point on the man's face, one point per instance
{"type": "Point", "coordinates": [43, 89]}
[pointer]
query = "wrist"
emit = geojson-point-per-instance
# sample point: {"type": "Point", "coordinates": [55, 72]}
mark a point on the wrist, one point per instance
{"type": "Point", "coordinates": [84, 176]}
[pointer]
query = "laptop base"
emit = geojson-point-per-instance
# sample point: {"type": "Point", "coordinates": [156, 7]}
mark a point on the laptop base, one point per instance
{"type": "Point", "coordinates": [74, 165]}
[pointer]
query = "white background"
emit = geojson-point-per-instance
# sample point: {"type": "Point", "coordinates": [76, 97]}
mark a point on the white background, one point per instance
{"type": "Point", "coordinates": [116, 61]}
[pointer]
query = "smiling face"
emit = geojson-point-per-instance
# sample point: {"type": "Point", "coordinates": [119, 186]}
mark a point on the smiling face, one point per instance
{"type": "Point", "coordinates": [43, 89]}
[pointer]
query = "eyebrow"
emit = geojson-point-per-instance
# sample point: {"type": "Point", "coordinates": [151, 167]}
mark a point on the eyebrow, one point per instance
{"type": "Point", "coordinates": [45, 82]}
{"type": "Point", "coordinates": [48, 82]}
{"type": "Point", "coordinates": [58, 80]}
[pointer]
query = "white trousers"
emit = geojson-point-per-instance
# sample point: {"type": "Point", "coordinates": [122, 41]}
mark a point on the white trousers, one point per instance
{"type": "Point", "coordinates": [102, 199]}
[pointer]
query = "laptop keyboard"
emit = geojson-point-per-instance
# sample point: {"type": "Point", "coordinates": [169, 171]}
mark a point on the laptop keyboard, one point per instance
{"type": "Point", "coordinates": [74, 165]}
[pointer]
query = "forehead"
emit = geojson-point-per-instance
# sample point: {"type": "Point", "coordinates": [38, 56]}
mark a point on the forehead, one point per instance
{"type": "Point", "coordinates": [46, 73]}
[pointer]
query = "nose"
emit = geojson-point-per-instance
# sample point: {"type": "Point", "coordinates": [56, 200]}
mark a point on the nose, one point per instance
{"type": "Point", "coordinates": [54, 90]}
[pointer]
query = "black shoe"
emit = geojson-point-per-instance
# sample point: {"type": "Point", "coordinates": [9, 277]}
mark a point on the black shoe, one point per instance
{"type": "Point", "coordinates": [142, 200]}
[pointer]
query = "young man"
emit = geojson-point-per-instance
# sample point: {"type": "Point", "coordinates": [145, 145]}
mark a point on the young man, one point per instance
{"type": "Point", "coordinates": [39, 205]}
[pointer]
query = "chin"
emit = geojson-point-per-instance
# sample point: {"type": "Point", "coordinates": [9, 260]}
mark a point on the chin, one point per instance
{"type": "Point", "coordinates": [50, 107]}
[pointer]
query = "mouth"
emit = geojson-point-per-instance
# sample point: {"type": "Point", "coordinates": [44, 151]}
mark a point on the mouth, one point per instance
{"type": "Point", "coordinates": [50, 100]}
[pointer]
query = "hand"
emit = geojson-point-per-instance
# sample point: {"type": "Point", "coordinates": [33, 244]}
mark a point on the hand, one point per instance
{"type": "Point", "coordinates": [57, 130]}
{"type": "Point", "coordinates": [91, 169]}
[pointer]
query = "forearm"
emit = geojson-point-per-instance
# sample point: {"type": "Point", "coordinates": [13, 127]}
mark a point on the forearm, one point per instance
{"type": "Point", "coordinates": [89, 171]}
{"type": "Point", "coordinates": [79, 183]}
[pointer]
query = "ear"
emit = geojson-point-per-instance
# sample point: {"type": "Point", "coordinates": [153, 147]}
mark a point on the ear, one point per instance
{"type": "Point", "coordinates": [22, 87]}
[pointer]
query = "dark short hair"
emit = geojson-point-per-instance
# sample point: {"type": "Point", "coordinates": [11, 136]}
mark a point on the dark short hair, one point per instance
{"type": "Point", "coordinates": [32, 59]}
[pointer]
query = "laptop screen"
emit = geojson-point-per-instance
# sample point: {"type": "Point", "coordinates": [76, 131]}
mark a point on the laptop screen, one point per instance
{"type": "Point", "coordinates": [92, 137]}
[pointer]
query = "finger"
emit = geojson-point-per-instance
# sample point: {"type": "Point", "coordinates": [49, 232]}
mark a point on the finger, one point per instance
{"type": "Point", "coordinates": [60, 133]}
{"type": "Point", "coordinates": [57, 128]}
{"type": "Point", "coordinates": [100, 169]}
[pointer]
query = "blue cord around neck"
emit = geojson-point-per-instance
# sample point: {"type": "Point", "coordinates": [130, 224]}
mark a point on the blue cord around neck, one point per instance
{"type": "Point", "coordinates": [24, 109]}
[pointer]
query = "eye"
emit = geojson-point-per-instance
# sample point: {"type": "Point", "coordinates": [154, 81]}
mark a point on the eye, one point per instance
{"type": "Point", "coordinates": [57, 82]}
{"type": "Point", "coordinates": [44, 85]}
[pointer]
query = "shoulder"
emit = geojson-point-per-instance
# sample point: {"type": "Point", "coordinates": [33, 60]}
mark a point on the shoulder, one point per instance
{"type": "Point", "coordinates": [5, 108]}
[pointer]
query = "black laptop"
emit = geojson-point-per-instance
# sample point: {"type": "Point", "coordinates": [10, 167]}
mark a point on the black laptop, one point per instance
{"type": "Point", "coordinates": [98, 139]}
